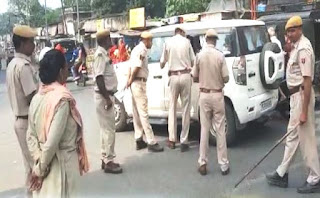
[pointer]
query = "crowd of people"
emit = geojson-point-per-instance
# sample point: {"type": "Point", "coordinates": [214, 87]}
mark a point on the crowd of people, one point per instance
{"type": "Point", "coordinates": [50, 129]}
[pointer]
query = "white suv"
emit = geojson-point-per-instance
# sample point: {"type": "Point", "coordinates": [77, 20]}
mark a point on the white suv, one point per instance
{"type": "Point", "coordinates": [255, 65]}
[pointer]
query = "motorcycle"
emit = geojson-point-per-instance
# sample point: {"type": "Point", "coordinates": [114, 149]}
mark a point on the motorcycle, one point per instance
{"type": "Point", "coordinates": [83, 75]}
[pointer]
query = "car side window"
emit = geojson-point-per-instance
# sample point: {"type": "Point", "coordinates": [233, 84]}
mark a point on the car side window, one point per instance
{"type": "Point", "coordinates": [252, 39]}
{"type": "Point", "coordinates": [226, 42]}
{"type": "Point", "coordinates": [157, 49]}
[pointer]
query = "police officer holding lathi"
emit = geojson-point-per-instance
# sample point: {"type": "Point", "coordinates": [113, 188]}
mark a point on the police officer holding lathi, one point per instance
{"type": "Point", "coordinates": [300, 74]}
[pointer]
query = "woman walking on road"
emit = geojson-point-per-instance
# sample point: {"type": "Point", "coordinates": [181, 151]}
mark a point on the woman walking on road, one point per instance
{"type": "Point", "coordinates": [55, 133]}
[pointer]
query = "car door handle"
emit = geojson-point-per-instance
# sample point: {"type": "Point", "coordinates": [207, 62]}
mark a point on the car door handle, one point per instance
{"type": "Point", "coordinates": [252, 74]}
{"type": "Point", "coordinates": [157, 77]}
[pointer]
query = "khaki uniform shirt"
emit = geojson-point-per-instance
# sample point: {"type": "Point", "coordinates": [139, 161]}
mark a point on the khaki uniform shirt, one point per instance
{"type": "Point", "coordinates": [139, 58]}
{"type": "Point", "coordinates": [103, 67]}
{"type": "Point", "coordinates": [211, 68]}
{"type": "Point", "coordinates": [21, 82]}
{"type": "Point", "coordinates": [178, 53]}
{"type": "Point", "coordinates": [301, 62]}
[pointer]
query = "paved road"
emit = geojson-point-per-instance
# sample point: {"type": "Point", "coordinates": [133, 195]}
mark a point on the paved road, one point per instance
{"type": "Point", "coordinates": [168, 174]}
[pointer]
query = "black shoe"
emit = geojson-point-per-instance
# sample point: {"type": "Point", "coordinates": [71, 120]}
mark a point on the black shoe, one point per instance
{"type": "Point", "coordinates": [274, 179]}
{"type": "Point", "coordinates": [113, 168]}
{"type": "Point", "coordinates": [104, 164]}
{"type": "Point", "coordinates": [226, 172]}
{"type": "Point", "coordinates": [203, 170]}
{"type": "Point", "coordinates": [308, 188]}
{"type": "Point", "coordinates": [155, 148]}
{"type": "Point", "coordinates": [184, 147]}
{"type": "Point", "coordinates": [140, 144]}
{"type": "Point", "coordinates": [171, 145]}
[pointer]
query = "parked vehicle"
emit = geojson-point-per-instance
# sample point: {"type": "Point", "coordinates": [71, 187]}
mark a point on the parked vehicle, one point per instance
{"type": "Point", "coordinates": [311, 29]}
{"type": "Point", "coordinates": [256, 69]}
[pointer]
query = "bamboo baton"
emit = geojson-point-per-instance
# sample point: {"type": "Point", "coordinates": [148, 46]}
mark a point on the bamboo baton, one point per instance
{"type": "Point", "coordinates": [264, 157]}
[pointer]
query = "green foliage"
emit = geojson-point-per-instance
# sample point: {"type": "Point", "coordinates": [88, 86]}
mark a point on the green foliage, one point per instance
{"type": "Point", "coordinates": [31, 12]}
{"type": "Point", "coordinates": [154, 8]}
{"type": "Point", "coordinates": [83, 4]}
{"type": "Point", "coordinates": [103, 7]}
{"type": "Point", "coordinates": [177, 7]}
{"type": "Point", "coordinates": [6, 22]}
{"type": "Point", "coordinates": [53, 16]}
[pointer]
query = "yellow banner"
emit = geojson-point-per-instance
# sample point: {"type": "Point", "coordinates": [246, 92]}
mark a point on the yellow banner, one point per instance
{"type": "Point", "coordinates": [100, 25]}
{"type": "Point", "coordinates": [137, 18]}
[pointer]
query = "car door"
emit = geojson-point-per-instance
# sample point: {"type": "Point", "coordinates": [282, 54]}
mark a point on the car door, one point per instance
{"type": "Point", "coordinates": [156, 79]}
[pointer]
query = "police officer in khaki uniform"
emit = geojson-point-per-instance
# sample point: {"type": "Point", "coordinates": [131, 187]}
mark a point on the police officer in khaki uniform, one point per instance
{"type": "Point", "coordinates": [105, 86]}
{"type": "Point", "coordinates": [22, 86]}
{"type": "Point", "coordinates": [300, 73]}
{"type": "Point", "coordinates": [137, 80]}
{"type": "Point", "coordinates": [179, 54]}
{"type": "Point", "coordinates": [212, 73]}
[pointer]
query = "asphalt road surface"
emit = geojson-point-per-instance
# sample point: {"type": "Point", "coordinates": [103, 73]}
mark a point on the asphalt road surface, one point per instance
{"type": "Point", "coordinates": [168, 174]}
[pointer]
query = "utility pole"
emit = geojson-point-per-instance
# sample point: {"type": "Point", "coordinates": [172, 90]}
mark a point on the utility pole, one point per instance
{"type": "Point", "coordinates": [63, 18]}
{"type": "Point", "coordinates": [45, 12]}
{"type": "Point", "coordinates": [236, 13]}
{"type": "Point", "coordinates": [78, 21]}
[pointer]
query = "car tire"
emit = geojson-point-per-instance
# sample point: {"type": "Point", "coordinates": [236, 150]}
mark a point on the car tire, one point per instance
{"type": "Point", "coordinates": [120, 116]}
{"type": "Point", "coordinates": [231, 129]}
{"type": "Point", "coordinates": [268, 47]}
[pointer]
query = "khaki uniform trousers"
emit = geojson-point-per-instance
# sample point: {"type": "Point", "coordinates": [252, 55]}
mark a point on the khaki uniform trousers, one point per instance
{"type": "Point", "coordinates": [21, 127]}
{"type": "Point", "coordinates": [106, 120]}
{"type": "Point", "coordinates": [303, 135]}
{"type": "Point", "coordinates": [212, 113]}
{"type": "Point", "coordinates": [179, 85]}
{"type": "Point", "coordinates": [140, 112]}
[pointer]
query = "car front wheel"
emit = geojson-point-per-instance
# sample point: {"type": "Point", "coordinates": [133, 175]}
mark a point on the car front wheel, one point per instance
{"type": "Point", "coordinates": [120, 116]}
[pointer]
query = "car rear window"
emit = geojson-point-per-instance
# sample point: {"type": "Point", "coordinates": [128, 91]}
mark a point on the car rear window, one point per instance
{"type": "Point", "coordinates": [252, 39]}
{"type": "Point", "coordinates": [226, 44]}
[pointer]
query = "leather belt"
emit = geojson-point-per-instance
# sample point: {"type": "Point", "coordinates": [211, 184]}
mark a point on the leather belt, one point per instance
{"type": "Point", "coordinates": [179, 72]}
{"type": "Point", "coordinates": [140, 79]}
{"type": "Point", "coordinates": [109, 92]}
{"type": "Point", "coordinates": [22, 117]}
{"type": "Point", "coordinates": [295, 90]}
{"type": "Point", "coordinates": [203, 90]}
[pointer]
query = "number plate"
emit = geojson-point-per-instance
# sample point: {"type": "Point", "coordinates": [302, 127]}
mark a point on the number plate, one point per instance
{"type": "Point", "coordinates": [266, 104]}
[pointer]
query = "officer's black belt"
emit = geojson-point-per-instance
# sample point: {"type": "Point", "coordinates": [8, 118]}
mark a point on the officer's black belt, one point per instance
{"type": "Point", "coordinates": [203, 90]}
{"type": "Point", "coordinates": [22, 117]}
{"type": "Point", "coordinates": [140, 79]}
{"type": "Point", "coordinates": [296, 89]}
{"type": "Point", "coordinates": [179, 72]}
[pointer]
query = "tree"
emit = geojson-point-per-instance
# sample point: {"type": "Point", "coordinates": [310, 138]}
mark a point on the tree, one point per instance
{"type": "Point", "coordinates": [82, 3]}
{"type": "Point", "coordinates": [102, 7]}
{"type": "Point", "coordinates": [154, 8]}
{"type": "Point", "coordinates": [7, 20]}
{"type": "Point", "coordinates": [177, 7]}
{"type": "Point", "coordinates": [31, 12]}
